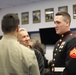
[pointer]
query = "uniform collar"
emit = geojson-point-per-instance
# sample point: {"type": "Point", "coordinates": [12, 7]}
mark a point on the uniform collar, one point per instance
{"type": "Point", "coordinates": [65, 34]}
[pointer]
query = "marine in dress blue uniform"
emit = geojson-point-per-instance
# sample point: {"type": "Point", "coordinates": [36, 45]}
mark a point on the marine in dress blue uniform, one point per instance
{"type": "Point", "coordinates": [64, 55]}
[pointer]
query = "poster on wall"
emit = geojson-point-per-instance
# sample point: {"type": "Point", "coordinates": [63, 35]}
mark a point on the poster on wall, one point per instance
{"type": "Point", "coordinates": [25, 18]}
{"type": "Point", "coordinates": [36, 16]}
{"type": "Point", "coordinates": [49, 14]}
{"type": "Point", "coordinates": [35, 36]}
{"type": "Point", "coordinates": [74, 11]}
{"type": "Point", "coordinates": [63, 9]}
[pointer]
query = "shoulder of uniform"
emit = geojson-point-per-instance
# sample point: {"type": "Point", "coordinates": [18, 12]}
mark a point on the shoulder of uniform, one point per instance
{"type": "Point", "coordinates": [72, 35]}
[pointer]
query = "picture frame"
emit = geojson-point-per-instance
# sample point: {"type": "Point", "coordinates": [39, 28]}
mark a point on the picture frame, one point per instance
{"type": "Point", "coordinates": [35, 36]}
{"type": "Point", "coordinates": [49, 14]}
{"type": "Point", "coordinates": [25, 18]}
{"type": "Point", "coordinates": [74, 11]}
{"type": "Point", "coordinates": [36, 16]}
{"type": "Point", "coordinates": [63, 9]}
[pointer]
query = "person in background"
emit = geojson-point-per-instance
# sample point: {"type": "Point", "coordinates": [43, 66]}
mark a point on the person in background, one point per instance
{"type": "Point", "coordinates": [37, 45]}
{"type": "Point", "coordinates": [15, 59]}
{"type": "Point", "coordinates": [64, 54]}
{"type": "Point", "coordinates": [24, 39]}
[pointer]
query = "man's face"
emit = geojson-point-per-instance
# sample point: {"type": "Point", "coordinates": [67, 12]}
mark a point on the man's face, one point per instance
{"type": "Point", "coordinates": [60, 24]}
{"type": "Point", "coordinates": [24, 38]}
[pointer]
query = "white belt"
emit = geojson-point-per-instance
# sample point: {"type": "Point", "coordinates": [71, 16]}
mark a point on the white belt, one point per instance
{"type": "Point", "coordinates": [58, 69]}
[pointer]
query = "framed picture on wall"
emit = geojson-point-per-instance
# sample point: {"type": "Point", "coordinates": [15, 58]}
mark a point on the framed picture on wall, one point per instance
{"type": "Point", "coordinates": [74, 11]}
{"type": "Point", "coordinates": [25, 18]}
{"type": "Point", "coordinates": [35, 36]}
{"type": "Point", "coordinates": [49, 14]}
{"type": "Point", "coordinates": [36, 16]}
{"type": "Point", "coordinates": [63, 9]}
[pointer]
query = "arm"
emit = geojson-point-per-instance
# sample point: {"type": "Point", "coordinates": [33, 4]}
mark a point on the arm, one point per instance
{"type": "Point", "coordinates": [30, 62]}
{"type": "Point", "coordinates": [34, 66]}
{"type": "Point", "coordinates": [70, 68]}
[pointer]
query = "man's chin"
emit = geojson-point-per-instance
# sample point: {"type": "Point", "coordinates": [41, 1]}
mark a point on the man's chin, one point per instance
{"type": "Point", "coordinates": [57, 33]}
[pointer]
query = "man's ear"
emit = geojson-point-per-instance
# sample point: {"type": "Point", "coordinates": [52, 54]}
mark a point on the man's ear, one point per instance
{"type": "Point", "coordinates": [67, 22]}
{"type": "Point", "coordinates": [18, 27]}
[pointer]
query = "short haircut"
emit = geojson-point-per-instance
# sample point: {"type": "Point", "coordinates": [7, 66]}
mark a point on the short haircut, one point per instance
{"type": "Point", "coordinates": [65, 15]}
{"type": "Point", "coordinates": [9, 22]}
{"type": "Point", "coordinates": [22, 29]}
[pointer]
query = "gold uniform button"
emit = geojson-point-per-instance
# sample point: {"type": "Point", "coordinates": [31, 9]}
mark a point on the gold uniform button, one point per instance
{"type": "Point", "coordinates": [62, 35]}
{"type": "Point", "coordinates": [60, 40]}
{"type": "Point", "coordinates": [57, 44]}
{"type": "Point", "coordinates": [54, 54]}
{"type": "Point", "coordinates": [53, 65]}
{"type": "Point", "coordinates": [54, 59]}
{"type": "Point", "coordinates": [56, 49]}
{"type": "Point", "coordinates": [53, 69]}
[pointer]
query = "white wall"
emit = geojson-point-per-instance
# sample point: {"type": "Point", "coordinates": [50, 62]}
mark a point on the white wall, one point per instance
{"type": "Point", "coordinates": [41, 6]}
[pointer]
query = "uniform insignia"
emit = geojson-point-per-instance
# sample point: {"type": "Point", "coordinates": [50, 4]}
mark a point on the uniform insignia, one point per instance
{"type": "Point", "coordinates": [71, 34]}
{"type": "Point", "coordinates": [73, 53]}
{"type": "Point", "coordinates": [62, 43]}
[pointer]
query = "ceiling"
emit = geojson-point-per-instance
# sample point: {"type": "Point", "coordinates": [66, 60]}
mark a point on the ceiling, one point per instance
{"type": "Point", "coordinates": [12, 3]}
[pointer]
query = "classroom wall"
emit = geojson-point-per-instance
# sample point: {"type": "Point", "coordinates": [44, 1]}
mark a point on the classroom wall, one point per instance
{"type": "Point", "coordinates": [41, 6]}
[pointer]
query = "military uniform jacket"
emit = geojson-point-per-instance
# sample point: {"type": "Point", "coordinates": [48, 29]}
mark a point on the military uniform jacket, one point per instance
{"type": "Point", "coordinates": [16, 59]}
{"type": "Point", "coordinates": [64, 54]}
